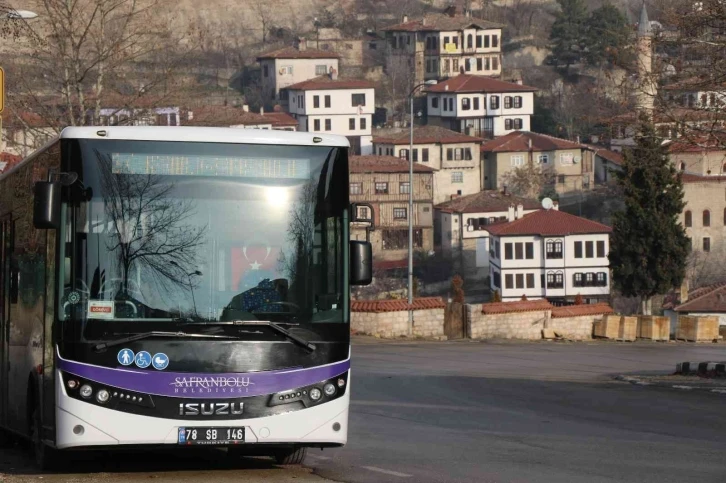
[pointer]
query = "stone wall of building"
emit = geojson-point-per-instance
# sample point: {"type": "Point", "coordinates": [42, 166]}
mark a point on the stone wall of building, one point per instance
{"type": "Point", "coordinates": [390, 318]}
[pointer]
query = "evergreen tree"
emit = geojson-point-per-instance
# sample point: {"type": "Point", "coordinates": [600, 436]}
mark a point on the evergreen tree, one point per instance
{"type": "Point", "coordinates": [569, 32]}
{"type": "Point", "coordinates": [607, 35]}
{"type": "Point", "coordinates": [649, 246]}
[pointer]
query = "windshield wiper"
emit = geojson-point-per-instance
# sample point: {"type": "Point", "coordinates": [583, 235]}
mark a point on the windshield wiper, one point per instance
{"type": "Point", "coordinates": [146, 335]}
{"type": "Point", "coordinates": [276, 326]}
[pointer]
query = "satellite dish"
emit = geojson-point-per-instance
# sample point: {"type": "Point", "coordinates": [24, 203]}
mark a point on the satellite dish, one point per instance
{"type": "Point", "coordinates": [21, 14]}
{"type": "Point", "coordinates": [547, 203]}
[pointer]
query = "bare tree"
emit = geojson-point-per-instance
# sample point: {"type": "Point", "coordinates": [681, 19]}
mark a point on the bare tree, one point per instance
{"type": "Point", "coordinates": [395, 86]}
{"type": "Point", "coordinates": [266, 12]}
{"type": "Point", "coordinates": [529, 181]}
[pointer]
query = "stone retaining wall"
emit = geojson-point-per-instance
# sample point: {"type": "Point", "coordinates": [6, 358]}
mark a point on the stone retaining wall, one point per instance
{"type": "Point", "coordinates": [390, 319]}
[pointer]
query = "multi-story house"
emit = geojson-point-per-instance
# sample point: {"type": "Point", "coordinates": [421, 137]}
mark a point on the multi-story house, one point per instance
{"type": "Point", "coordinates": [703, 156]}
{"type": "Point", "coordinates": [572, 164]}
{"type": "Point", "coordinates": [454, 157]}
{"type": "Point", "coordinates": [240, 117]}
{"type": "Point", "coordinates": [438, 46]}
{"type": "Point", "coordinates": [480, 106]}
{"type": "Point", "coordinates": [383, 182]}
{"type": "Point", "coordinates": [335, 106]}
{"type": "Point", "coordinates": [361, 52]}
{"type": "Point", "coordinates": [287, 66]}
{"type": "Point", "coordinates": [460, 226]}
{"type": "Point", "coordinates": [550, 254]}
{"type": "Point", "coordinates": [704, 215]}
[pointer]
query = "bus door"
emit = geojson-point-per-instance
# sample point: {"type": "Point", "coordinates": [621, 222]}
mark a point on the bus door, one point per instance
{"type": "Point", "coordinates": [5, 254]}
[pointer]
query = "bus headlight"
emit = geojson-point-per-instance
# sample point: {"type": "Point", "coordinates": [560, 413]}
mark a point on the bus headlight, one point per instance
{"type": "Point", "coordinates": [315, 394]}
{"type": "Point", "coordinates": [86, 391]}
{"type": "Point", "coordinates": [102, 396]}
{"type": "Point", "coordinates": [329, 390]}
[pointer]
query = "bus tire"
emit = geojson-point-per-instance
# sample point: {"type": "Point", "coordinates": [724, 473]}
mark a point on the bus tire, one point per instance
{"type": "Point", "coordinates": [45, 456]}
{"type": "Point", "coordinates": [291, 456]}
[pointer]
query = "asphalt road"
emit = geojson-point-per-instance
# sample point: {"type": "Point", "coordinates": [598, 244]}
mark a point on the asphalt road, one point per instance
{"type": "Point", "coordinates": [479, 412]}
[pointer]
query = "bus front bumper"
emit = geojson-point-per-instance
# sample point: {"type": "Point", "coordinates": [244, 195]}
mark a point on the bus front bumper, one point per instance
{"type": "Point", "coordinates": [79, 424]}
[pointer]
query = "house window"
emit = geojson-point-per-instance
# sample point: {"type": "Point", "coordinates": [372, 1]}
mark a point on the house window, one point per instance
{"type": "Point", "coordinates": [381, 188]}
{"type": "Point", "coordinates": [553, 249]}
{"type": "Point", "coordinates": [494, 103]}
{"type": "Point", "coordinates": [706, 244]}
{"type": "Point", "coordinates": [517, 160]}
{"type": "Point", "coordinates": [316, 125]}
{"type": "Point", "coordinates": [455, 65]}
{"type": "Point", "coordinates": [517, 123]}
{"type": "Point", "coordinates": [566, 159]}
{"type": "Point", "coordinates": [530, 280]}
{"type": "Point", "coordinates": [555, 280]}
{"type": "Point", "coordinates": [399, 213]}
{"type": "Point", "coordinates": [358, 100]}
{"type": "Point", "coordinates": [724, 217]}
{"type": "Point", "coordinates": [601, 249]}
{"type": "Point", "coordinates": [497, 248]}
{"type": "Point", "coordinates": [457, 177]}
{"type": "Point", "coordinates": [589, 249]}
{"type": "Point", "coordinates": [467, 65]}
{"type": "Point", "coordinates": [497, 279]}
{"type": "Point", "coordinates": [517, 102]}
{"type": "Point", "coordinates": [495, 41]}
{"type": "Point", "coordinates": [689, 218]}
{"type": "Point", "coordinates": [425, 156]}
{"type": "Point", "coordinates": [363, 123]}
{"type": "Point", "coordinates": [507, 102]}
{"type": "Point", "coordinates": [458, 154]}
{"type": "Point", "coordinates": [529, 251]}
{"type": "Point", "coordinates": [287, 69]}
{"type": "Point", "coordinates": [456, 41]}
{"type": "Point", "coordinates": [351, 124]}
{"type": "Point", "coordinates": [316, 102]}
{"type": "Point", "coordinates": [519, 251]}
{"type": "Point", "coordinates": [508, 124]}
{"type": "Point", "coordinates": [520, 280]}
{"type": "Point", "coordinates": [589, 279]}
{"type": "Point", "coordinates": [465, 104]}
{"type": "Point", "coordinates": [602, 279]}
{"type": "Point", "coordinates": [356, 188]}
{"type": "Point", "coordinates": [706, 218]}
{"type": "Point", "coordinates": [509, 281]}
{"type": "Point", "coordinates": [487, 64]}
{"type": "Point", "coordinates": [321, 69]}
{"type": "Point", "coordinates": [561, 179]}
{"type": "Point", "coordinates": [434, 102]}
{"type": "Point", "coordinates": [577, 280]}
{"type": "Point", "coordinates": [469, 41]}
{"type": "Point", "coordinates": [446, 65]}
{"type": "Point", "coordinates": [327, 101]}
{"type": "Point", "coordinates": [479, 64]}
{"type": "Point", "coordinates": [478, 41]}
{"type": "Point", "coordinates": [328, 125]}
{"type": "Point", "coordinates": [403, 154]}
{"type": "Point", "coordinates": [398, 239]}
{"type": "Point", "coordinates": [495, 63]}
{"type": "Point", "coordinates": [543, 158]}
{"type": "Point", "coordinates": [415, 154]}
{"type": "Point", "coordinates": [404, 188]}
{"type": "Point", "coordinates": [578, 249]}
{"type": "Point", "coordinates": [476, 104]}
{"type": "Point", "coordinates": [508, 251]}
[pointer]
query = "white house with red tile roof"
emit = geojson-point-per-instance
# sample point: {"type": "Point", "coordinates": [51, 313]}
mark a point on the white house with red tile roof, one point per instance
{"type": "Point", "coordinates": [240, 117]}
{"type": "Point", "coordinates": [480, 106]}
{"type": "Point", "coordinates": [335, 106]}
{"type": "Point", "coordinates": [550, 254]}
{"type": "Point", "coordinates": [704, 302]}
{"type": "Point", "coordinates": [287, 66]}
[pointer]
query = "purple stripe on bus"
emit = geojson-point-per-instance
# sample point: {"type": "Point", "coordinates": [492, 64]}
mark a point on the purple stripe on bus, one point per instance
{"type": "Point", "coordinates": [200, 385]}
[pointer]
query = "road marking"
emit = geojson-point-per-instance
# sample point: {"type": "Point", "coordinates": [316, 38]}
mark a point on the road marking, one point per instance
{"type": "Point", "coordinates": [687, 388]}
{"type": "Point", "coordinates": [320, 457]}
{"type": "Point", "coordinates": [719, 391]}
{"type": "Point", "coordinates": [387, 472]}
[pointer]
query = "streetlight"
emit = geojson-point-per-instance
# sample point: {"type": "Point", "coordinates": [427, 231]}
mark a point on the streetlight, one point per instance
{"type": "Point", "coordinates": [191, 289]}
{"type": "Point", "coordinates": [410, 206]}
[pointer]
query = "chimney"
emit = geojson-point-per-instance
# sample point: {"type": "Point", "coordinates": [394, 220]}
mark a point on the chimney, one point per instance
{"type": "Point", "coordinates": [467, 12]}
{"type": "Point", "coordinates": [519, 81]}
{"type": "Point", "coordinates": [333, 74]}
{"type": "Point", "coordinates": [556, 205]}
{"type": "Point", "coordinates": [302, 44]}
{"type": "Point", "coordinates": [246, 108]}
{"type": "Point", "coordinates": [262, 110]}
{"type": "Point", "coordinates": [529, 143]}
{"type": "Point", "coordinates": [404, 19]}
{"type": "Point", "coordinates": [684, 291]}
{"type": "Point", "coordinates": [190, 116]}
{"type": "Point", "coordinates": [423, 21]}
{"type": "Point", "coordinates": [511, 214]}
{"type": "Point", "coordinates": [446, 87]}
{"type": "Point", "coordinates": [520, 211]}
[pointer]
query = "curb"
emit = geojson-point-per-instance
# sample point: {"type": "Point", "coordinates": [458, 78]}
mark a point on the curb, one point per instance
{"type": "Point", "coordinates": [712, 369]}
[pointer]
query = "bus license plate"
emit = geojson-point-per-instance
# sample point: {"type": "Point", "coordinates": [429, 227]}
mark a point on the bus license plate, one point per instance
{"type": "Point", "coordinates": [211, 436]}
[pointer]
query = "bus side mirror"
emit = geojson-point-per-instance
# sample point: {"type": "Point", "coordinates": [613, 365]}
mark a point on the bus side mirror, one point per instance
{"type": "Point", "coordinates": [46, 205]}
{"type": "Point", "coordinates": [361, 262]}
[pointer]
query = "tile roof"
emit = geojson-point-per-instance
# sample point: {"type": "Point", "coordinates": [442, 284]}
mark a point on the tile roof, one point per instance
{"type": "Point", "coordinates": [612, 156]}
{"type": "Point", "coordinates": [474, 83]}
{"type": "Point", "coordinates": [581, 310]}
{"type": "Point", "coordinates": [422, 135]}
{"type": "Point", "coordinates": [225, 116]}
{"type": "Point", "coordinates": [705, 299]}
{"type": "Point", "coordinates": [518, 306]}
{"type": "Point", "coordinates": [384, 164]}
{"type": "Point", "coordinates": [389, 264]}
{"type": "Point", "coordinates": [486, 201]}
{"type": "Point", "coordinates": [680, 114]}
{"type": "Point", "coordinates": [293, 53]}
{"type": "Point", "coordinates": [714, 142]}
{"type": "Point", "coordinates": [325, 82]}
{"type": "Point", "coordinates": [549, 223]}
{"type": "Point", "coordinates": [697, 178]}
{"type": "Point", "coordinates": [8, 161]}
{"type": "Point", "coordinates": [519, 141]}
{"type": "Point", "coordinates": [378, 306]}
{"type": "Point", "coordinates": [27, 119]}
{"type": "Point", "coordinates": [440, 21]}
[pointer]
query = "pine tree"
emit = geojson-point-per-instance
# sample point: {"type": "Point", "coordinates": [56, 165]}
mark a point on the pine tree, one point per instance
{"type": "Point", "coordinates": [649, 246]}
{"type": "Point", "coordinates": [568, 32]}
{"type": "Point", "coordinates": [607, 35]}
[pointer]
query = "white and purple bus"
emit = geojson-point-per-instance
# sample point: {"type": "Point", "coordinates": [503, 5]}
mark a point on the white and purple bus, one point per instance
{"type": "Point", "coordinates": [177, 286]}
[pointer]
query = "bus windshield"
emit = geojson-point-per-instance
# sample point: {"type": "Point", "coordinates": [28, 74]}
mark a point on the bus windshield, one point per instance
{"type": "Point", "coordinates": [203, 232]}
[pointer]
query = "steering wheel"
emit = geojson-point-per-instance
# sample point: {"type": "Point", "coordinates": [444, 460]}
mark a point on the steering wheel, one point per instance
{"type": "Point", "coordinates": [133, 287]}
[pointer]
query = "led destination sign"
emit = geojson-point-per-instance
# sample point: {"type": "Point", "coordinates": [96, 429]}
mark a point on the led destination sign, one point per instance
{"type": "Point", "coordinates": [227, 166]}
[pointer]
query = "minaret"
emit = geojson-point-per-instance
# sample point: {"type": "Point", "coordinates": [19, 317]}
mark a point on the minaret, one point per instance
{"type": "Point", "coordinates": [646, 90]}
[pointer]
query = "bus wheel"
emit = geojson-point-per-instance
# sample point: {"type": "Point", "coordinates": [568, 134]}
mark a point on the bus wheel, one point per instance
{"type": "Point", "coordinates": [45, 456]}
{"type": "Point", "coordinates": [292, 456]}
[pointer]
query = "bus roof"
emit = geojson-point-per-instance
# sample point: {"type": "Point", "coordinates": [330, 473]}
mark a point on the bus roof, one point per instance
{"type": "Point", "coordinates": [205, 135]}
